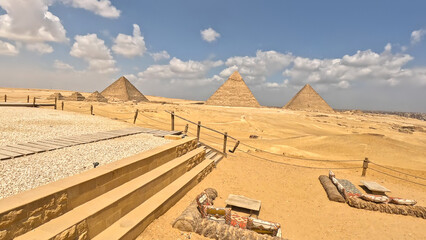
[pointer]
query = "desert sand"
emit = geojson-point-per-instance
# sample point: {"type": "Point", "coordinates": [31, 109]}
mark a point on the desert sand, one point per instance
{"type": "Point", "coordinates": [290, 195]}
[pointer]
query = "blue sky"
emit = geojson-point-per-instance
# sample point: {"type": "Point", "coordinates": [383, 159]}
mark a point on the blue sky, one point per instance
{"type": "Point", "coordinates": [363, 54]}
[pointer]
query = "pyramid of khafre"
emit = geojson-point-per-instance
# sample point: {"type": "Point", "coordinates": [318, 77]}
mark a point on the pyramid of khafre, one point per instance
{"type": "Point", "coordinates": [309, 100]}
{"type": "Point", "coordinates": [96, 97]}
{"type": "Point", "coordinates": [75, 96]}
{"type": "Point", "coordinates": [56, 95]}
{"type": "Point", "coordinates": [234, 92]}
{"type": "Point", "coordinates": [123, 90]}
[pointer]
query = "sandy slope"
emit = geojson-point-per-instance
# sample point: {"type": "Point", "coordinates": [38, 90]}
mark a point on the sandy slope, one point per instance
{"type": "Point", "coordinates": [291, 195]}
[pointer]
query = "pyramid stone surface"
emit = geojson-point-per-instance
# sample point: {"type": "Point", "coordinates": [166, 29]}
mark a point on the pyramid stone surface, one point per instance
{"type": "Point", "coordinates": [308, 99]}
{"type": "Point", "coordinates": [75, 96]}
{"type": "Point", "coordinates": [123, 90]}
{"type": "Point", "coordinates": [96, 97]}
{"type": "Point", "coordinates": [234, 92]}
{"type": "Point", "coordinates": [57, 95]}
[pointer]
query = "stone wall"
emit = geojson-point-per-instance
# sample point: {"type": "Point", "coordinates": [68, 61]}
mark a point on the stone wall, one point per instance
{"type": "Point", "coordinates": [28, 210]}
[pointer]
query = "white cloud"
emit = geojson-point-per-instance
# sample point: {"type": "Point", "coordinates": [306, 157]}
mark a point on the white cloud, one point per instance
{"type": "Point", "coordinates": [367, 65]}
{"type": "Point", "coordinates": [158, 56]}
{"type": "Point", "coordinates": [130, 46]}
{"type": "Point", "coordinates": [189, 72]}
{"type": "Point", "coordinates": [58, 64]}
{"type": "Point", "coordinates": [41, 48]}
{"type": "Point", "coordinates": [209, 35]}
{"type": "Point", "coordinates": [256, 69]}
{"type": "Point", "coordinates": [8, 49]}
{"type": "Point", "coordinates": [416, 36]}
{"type": "Point", "coordinates": [30, 21]}
{"type": "Point", "coordinates": [93, 50]}
{"type": "Point", "coordinates": [103, 8]}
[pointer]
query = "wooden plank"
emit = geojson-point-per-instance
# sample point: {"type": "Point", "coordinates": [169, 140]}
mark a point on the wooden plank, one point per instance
{"type": "Point", "coordinates": [35, 150]}
{"type": "Point", "coordinates": [374, 187]}
{"type": "Point", "coordinates": [12, 149]}
{"type": "Point", "coordinates": [11, 154]}
{"type": "Point", "coordinates": [69, 142]}
{"type": "Point", "coordinates": [243, 202]}
{"type": "Point", "coordinates": [34, 144]}
{"type": "Point", "coordinates": [54, 143]}
{"type": "Point", "coordinates": [74, 140]}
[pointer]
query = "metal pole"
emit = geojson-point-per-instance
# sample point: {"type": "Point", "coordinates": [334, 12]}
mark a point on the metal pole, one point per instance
{"type": "Point", "coordinates": [34, 102]}
{"type": "Point", "coordinates": [28, 98]}
{"type": "Point", "coordinates": [56, 102]}
{"type": "Point", "coordinates": [186, 129]}
{"type": "Point", "coordinates": [172, 115]}
{"type": "Point", "coordinates": [225, 138]}
{"type": "Point", "coordinates": [62, 105]}
{"type": "Point", "coordinates": [198, 130]}
{"type": "Point", "coordinates": [91, 110]}
{"type": "Point", "coordinates": [5, 98]}
{"type": "Point", "coordinates": [364, 167]}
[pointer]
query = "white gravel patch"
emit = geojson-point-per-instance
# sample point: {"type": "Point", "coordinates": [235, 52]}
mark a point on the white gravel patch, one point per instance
{"type": "Point", "coordinates": [22, 124]}
{"type": "Point", "coordinates": [24, 173]}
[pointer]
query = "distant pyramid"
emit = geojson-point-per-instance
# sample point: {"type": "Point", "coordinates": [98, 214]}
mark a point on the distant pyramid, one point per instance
{"type": "Point", "coordinates": [123, 90]}
{"type": "Point", "coordinates": [234, 92]}
{"type": "Point", "coordinates": [75, 96]}
{"type": "Point", "coordinates": [56, 95]}
{"type": "Point", "coordinates": [309, 100]}
{"type": "Point", "coordinates": [96, 97]}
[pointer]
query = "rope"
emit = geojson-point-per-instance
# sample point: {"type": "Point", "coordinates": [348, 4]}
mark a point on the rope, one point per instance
{"type": "Point", "coordinates": [396, 177]}
{"type": "Point", "coordinates": [153, 119]}
{"type": "Point", "coordinates": [294, 165]}
{"type": "Point", "coordinates": [397, 171]}
{"type": "Point", "coordinates": [299, 158]}
{"type": "Point", "coordinates": [211, 129]}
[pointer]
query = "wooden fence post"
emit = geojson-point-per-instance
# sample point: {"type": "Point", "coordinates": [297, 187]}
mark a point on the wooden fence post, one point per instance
{"type": "Point", "coordinates": [172, 115]}
{"type": "Point", "coordinates": [198, 130]}
{"type": "Point", "coordinates": [5, 98]}
{"type": "Point", "coordinates": [28, 98]}
{"type": "Point", "coordinates": [136, 116]}
{"type": "Point", "coordinates": [91, 110]}
{"type": "Point", "coordinates": [225, 138]}
{"type": "Point", "coordinates": [62, 105]}
{"type": "Point", "coordinates": [364, 167]}
{"type": "Point", "coordinates": [34, 102]}
{"type": "Point", "coordinates": [56, 103]}
{"type": "Point", "coordinates": [186, 129]}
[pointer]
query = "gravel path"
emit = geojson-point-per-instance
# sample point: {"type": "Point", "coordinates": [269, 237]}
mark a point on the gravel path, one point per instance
{"type": "Point", "coordinates": [24, 173]}
{"type": "Point", "coordinates": [20, 125]}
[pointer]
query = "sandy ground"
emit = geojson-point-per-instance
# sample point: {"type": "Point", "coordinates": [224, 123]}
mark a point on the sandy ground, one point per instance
{"type": "Point", "coordinates": [292, 195]}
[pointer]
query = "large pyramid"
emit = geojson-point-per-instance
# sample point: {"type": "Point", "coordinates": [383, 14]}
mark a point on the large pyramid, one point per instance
{"type": "Point", "coordinates": [123, 90]}
{"type": "Point", "coordinates": [234, 92]}
{"type": "Point", "coordinates": [309, 100]}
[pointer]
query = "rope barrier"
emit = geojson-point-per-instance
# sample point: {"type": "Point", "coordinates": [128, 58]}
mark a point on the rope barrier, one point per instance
{"type": "Point", "coordinates": [294, 165]}
{"type": "Point", "coordinates": [299, 158]}
{"type": "Point", "coordinates": [396, 170]}
{"type": "Point", "coordinates": [396, 177]}
{"type": "Point", "coordinates": [211, 129]}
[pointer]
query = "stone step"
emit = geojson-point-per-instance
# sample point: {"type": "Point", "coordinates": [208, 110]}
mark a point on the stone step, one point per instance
{"type": "Point", "coordinates": [94, 216]}
{"type": "Point", "coordinates": [132, 224]}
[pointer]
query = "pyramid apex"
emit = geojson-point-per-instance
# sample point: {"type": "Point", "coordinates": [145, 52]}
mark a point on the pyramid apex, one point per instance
{"type": "Point", "coordinates": [235, 76]}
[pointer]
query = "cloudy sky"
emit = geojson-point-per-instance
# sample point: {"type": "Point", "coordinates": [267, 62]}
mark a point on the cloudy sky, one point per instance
{"type": "Point", "coordinates": [356, 54]}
